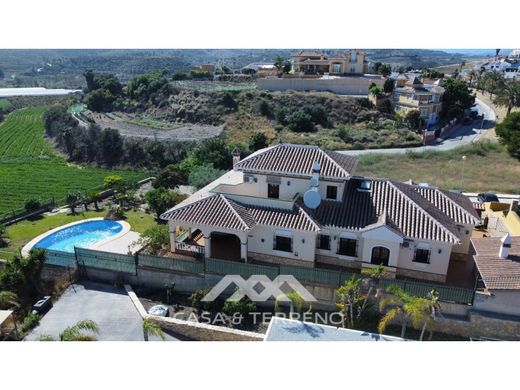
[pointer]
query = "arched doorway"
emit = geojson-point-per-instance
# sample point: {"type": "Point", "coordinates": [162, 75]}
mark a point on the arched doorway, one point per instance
{"type": "Point", "coordinates": [225, 246]}
{"type": "Point", "coordinates": [380, 255]}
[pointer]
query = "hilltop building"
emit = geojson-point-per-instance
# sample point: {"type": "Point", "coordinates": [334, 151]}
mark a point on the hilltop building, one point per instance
{"type": "Point", "coordinates": [350, 62]}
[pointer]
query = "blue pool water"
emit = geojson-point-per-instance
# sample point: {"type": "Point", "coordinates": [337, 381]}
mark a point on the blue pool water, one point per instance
{"type": "Point", "coordinates": [82, 235]}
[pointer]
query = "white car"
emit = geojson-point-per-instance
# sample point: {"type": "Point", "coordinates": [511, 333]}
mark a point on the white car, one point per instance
{"type": "Point", "coordinates": [159, 310]}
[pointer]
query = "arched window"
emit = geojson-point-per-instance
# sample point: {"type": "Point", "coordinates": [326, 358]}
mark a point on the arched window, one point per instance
{"type": "Point", "coordinates": [380, 255]}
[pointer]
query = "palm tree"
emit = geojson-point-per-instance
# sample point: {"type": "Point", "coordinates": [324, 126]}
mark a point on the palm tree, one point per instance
{"type": "Point", "coordinates": [95, 197]}
{"type": "Point", "coordinates": [374, 277]}
{"type": "Point", "coordinates": [431, 306]}
{"type": "Point", "coordinates": [75, 332]}
{"type": "Point", "coordinates": [420, 311]}
{"type": "Point", "coordinates": [295, 301]}
{"type": "Point", "coordinates": [509, 96]}
{"type": "Point", "coordinates": [493, 82]}
{"type": "Point", "coordinates": [152, 328]}
{"type": "Point", "coordinates": [397, 299]}
{"type": "Point", "coordinates": [72, 200]}
{"type": "Point", "coordinates": [8, 299]}
{"type": "Point", "coordinates": [349, 298]}
{"type": "Point", "coordinates": [473, 75]}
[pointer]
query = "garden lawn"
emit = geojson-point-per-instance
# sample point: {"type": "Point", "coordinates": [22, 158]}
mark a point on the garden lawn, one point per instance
{"type": "Point", "coordinates": [487, 167]}
{"type": "Point", "coordinates": [30, 168]}
{"type": "Point", "coordinates": [21, 233]}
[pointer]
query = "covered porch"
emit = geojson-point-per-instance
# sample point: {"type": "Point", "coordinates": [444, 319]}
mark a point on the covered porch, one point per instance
{"type": "Point", "coordinates": [209, 243]}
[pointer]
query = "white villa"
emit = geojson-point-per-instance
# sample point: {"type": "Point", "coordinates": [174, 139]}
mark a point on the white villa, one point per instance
{"type": "Point", "coordinates": [301, 205]}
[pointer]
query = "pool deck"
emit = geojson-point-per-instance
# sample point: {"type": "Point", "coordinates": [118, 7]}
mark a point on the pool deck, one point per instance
{"type": "Point", "coordinates": [119, 243]}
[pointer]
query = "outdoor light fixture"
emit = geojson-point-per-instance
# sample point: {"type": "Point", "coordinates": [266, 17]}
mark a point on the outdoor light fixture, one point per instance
{"type": "Point", "coordinates": [440, 251]}
{"type": "Point", "coordinates": [303, 240]}
{"type": "Point", "coordinates": [288, 182]}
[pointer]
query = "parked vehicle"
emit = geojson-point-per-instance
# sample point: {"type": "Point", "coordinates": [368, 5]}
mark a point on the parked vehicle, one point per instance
{"type": "Point", "coordinates": [487, 197]}
{"type": "Point", "coordinates": [43, 305]}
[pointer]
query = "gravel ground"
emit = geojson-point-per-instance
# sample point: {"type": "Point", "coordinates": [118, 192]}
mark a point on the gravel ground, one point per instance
{"type": "Point", "coordinates": [181, 132]}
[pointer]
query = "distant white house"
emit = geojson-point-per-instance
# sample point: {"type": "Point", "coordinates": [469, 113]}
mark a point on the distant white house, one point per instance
{"type": "Point", "coordinates": [493, 66]}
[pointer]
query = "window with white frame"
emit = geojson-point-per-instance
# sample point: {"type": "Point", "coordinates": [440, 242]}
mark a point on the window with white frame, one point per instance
{"type": "Point", "coordinates": [422, 254]}
{"type": "Point", "coordinates": [323, 242]}
{"type": "Point", "coordinates": [282, 241]}
{"type": "Point", "coordinates": [347, 246]}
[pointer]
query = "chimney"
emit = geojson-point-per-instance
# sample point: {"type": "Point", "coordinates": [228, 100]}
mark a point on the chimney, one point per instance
{"type": "Point", "coordinates": [504, 247]}
{"type": "Point", "coordinates": [236, 156]}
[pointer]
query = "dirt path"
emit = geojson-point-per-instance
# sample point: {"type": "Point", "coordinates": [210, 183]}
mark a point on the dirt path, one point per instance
{"type": "Point", "coordinates": [179, 132]}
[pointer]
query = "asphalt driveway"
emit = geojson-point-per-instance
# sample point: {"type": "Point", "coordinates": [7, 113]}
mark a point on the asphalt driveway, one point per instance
{"type": "Point", "coordinates": [109, 307]}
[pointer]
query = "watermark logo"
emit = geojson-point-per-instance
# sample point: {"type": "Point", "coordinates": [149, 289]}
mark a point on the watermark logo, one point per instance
{"type": "Point", "coordinates": [271, 288]}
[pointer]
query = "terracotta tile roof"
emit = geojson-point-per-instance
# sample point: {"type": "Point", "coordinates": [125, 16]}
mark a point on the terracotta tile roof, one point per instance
{"type": "Point", "coordinates": [220, 211]}
{"type": "Point", "coordinates": [309, 61]}
{"type": "Point", "coordinates": [497, 273]}
{"type": "Point", "coordinates": [308, 53]}
{"type": "Point", "coordinates": [297, 160]}
{"type": "Point", "coordinates": [214, 210]}
{"type": "Point", "coordinates": [296, 218]}
{"type": "Point", "coordinates": [395, 204]}
{"type": "Point", "coordinates": [456, 206]}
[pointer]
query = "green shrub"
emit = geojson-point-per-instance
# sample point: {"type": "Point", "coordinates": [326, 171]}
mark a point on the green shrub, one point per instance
{"type": "Point", "coordinates": [242, 307]}
{"type": "Point", "coordinates": [32, 204]}
{"type": "Point", "coordinates": [203, 175]}
{"type": "Point", "coordinates": [300, 121]}
{"type": "Point", "coordinates": [196, 300]}
{"type": "Point", "coordinates": [29, 322]}
{"type": "Point", "coordinates": [258, 141]}
{"type": "Point", "coordinates": [155, 238]}
{"type": "Point", "coordinates": [264, 108]}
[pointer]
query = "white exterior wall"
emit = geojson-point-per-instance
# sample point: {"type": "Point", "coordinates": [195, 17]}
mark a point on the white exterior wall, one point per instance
{"type": "Point", "coordinates": [439, 262]}
{"type": "Point", "coordinates": [289, 187]}
{"type": "Point", "coordinates": [384, 237]}
{"type": "Point", "coordinates": [301, 250]}
{"type": "Point", "coordinates": [463, 247]}
{"type": "Point", "coordinates": [342, 85]}
{"type": "Point", "coordinates": [335, 235]}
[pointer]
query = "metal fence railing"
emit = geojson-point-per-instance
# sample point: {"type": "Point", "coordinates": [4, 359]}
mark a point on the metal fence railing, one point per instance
{"type": "Point", "coordinates": [224, 267]}
{"type": "Point", "coordinates": [313, 275]}
{"type": "Point", "coordinates": [130, 264]}
{"type": "Point", "coordinates": [159, 262]}
{"type": "Point", "coordinates": [421, 289]}
{"type": "Point", "coordinates": [106, 260]}
{"type": "Point", "coordinates": [63, 259]}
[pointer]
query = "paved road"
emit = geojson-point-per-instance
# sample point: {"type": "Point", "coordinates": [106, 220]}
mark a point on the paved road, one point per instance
{"type": "Point", "coordinates": [458, 136]}
{"type": "Point", "coordinates": [109, 307]}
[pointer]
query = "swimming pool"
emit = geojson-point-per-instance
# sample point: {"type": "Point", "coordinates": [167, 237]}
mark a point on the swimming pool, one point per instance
{"type": "Point", "coordinates": [84, 235]}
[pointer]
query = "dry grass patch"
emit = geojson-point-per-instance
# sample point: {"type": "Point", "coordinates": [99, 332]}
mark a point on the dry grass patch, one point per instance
{"type": "Point", "coordinates": [488, 167]}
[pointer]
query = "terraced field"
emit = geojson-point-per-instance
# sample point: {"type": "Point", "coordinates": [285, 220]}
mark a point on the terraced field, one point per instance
{"type": "Point", "coordinates": [30, 169]}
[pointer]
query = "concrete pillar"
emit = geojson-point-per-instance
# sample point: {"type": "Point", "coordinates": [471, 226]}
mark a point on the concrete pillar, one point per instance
{"type": "Point", "coordinates": [243, 250]}
{"type": "Point", "coordinates": [173, 237]}
{"type": "Point", "coordinates": [207, 246]}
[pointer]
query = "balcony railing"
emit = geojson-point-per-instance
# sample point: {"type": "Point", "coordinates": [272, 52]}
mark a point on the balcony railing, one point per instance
{"type": "Point", "coordinates": [181, 246]}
